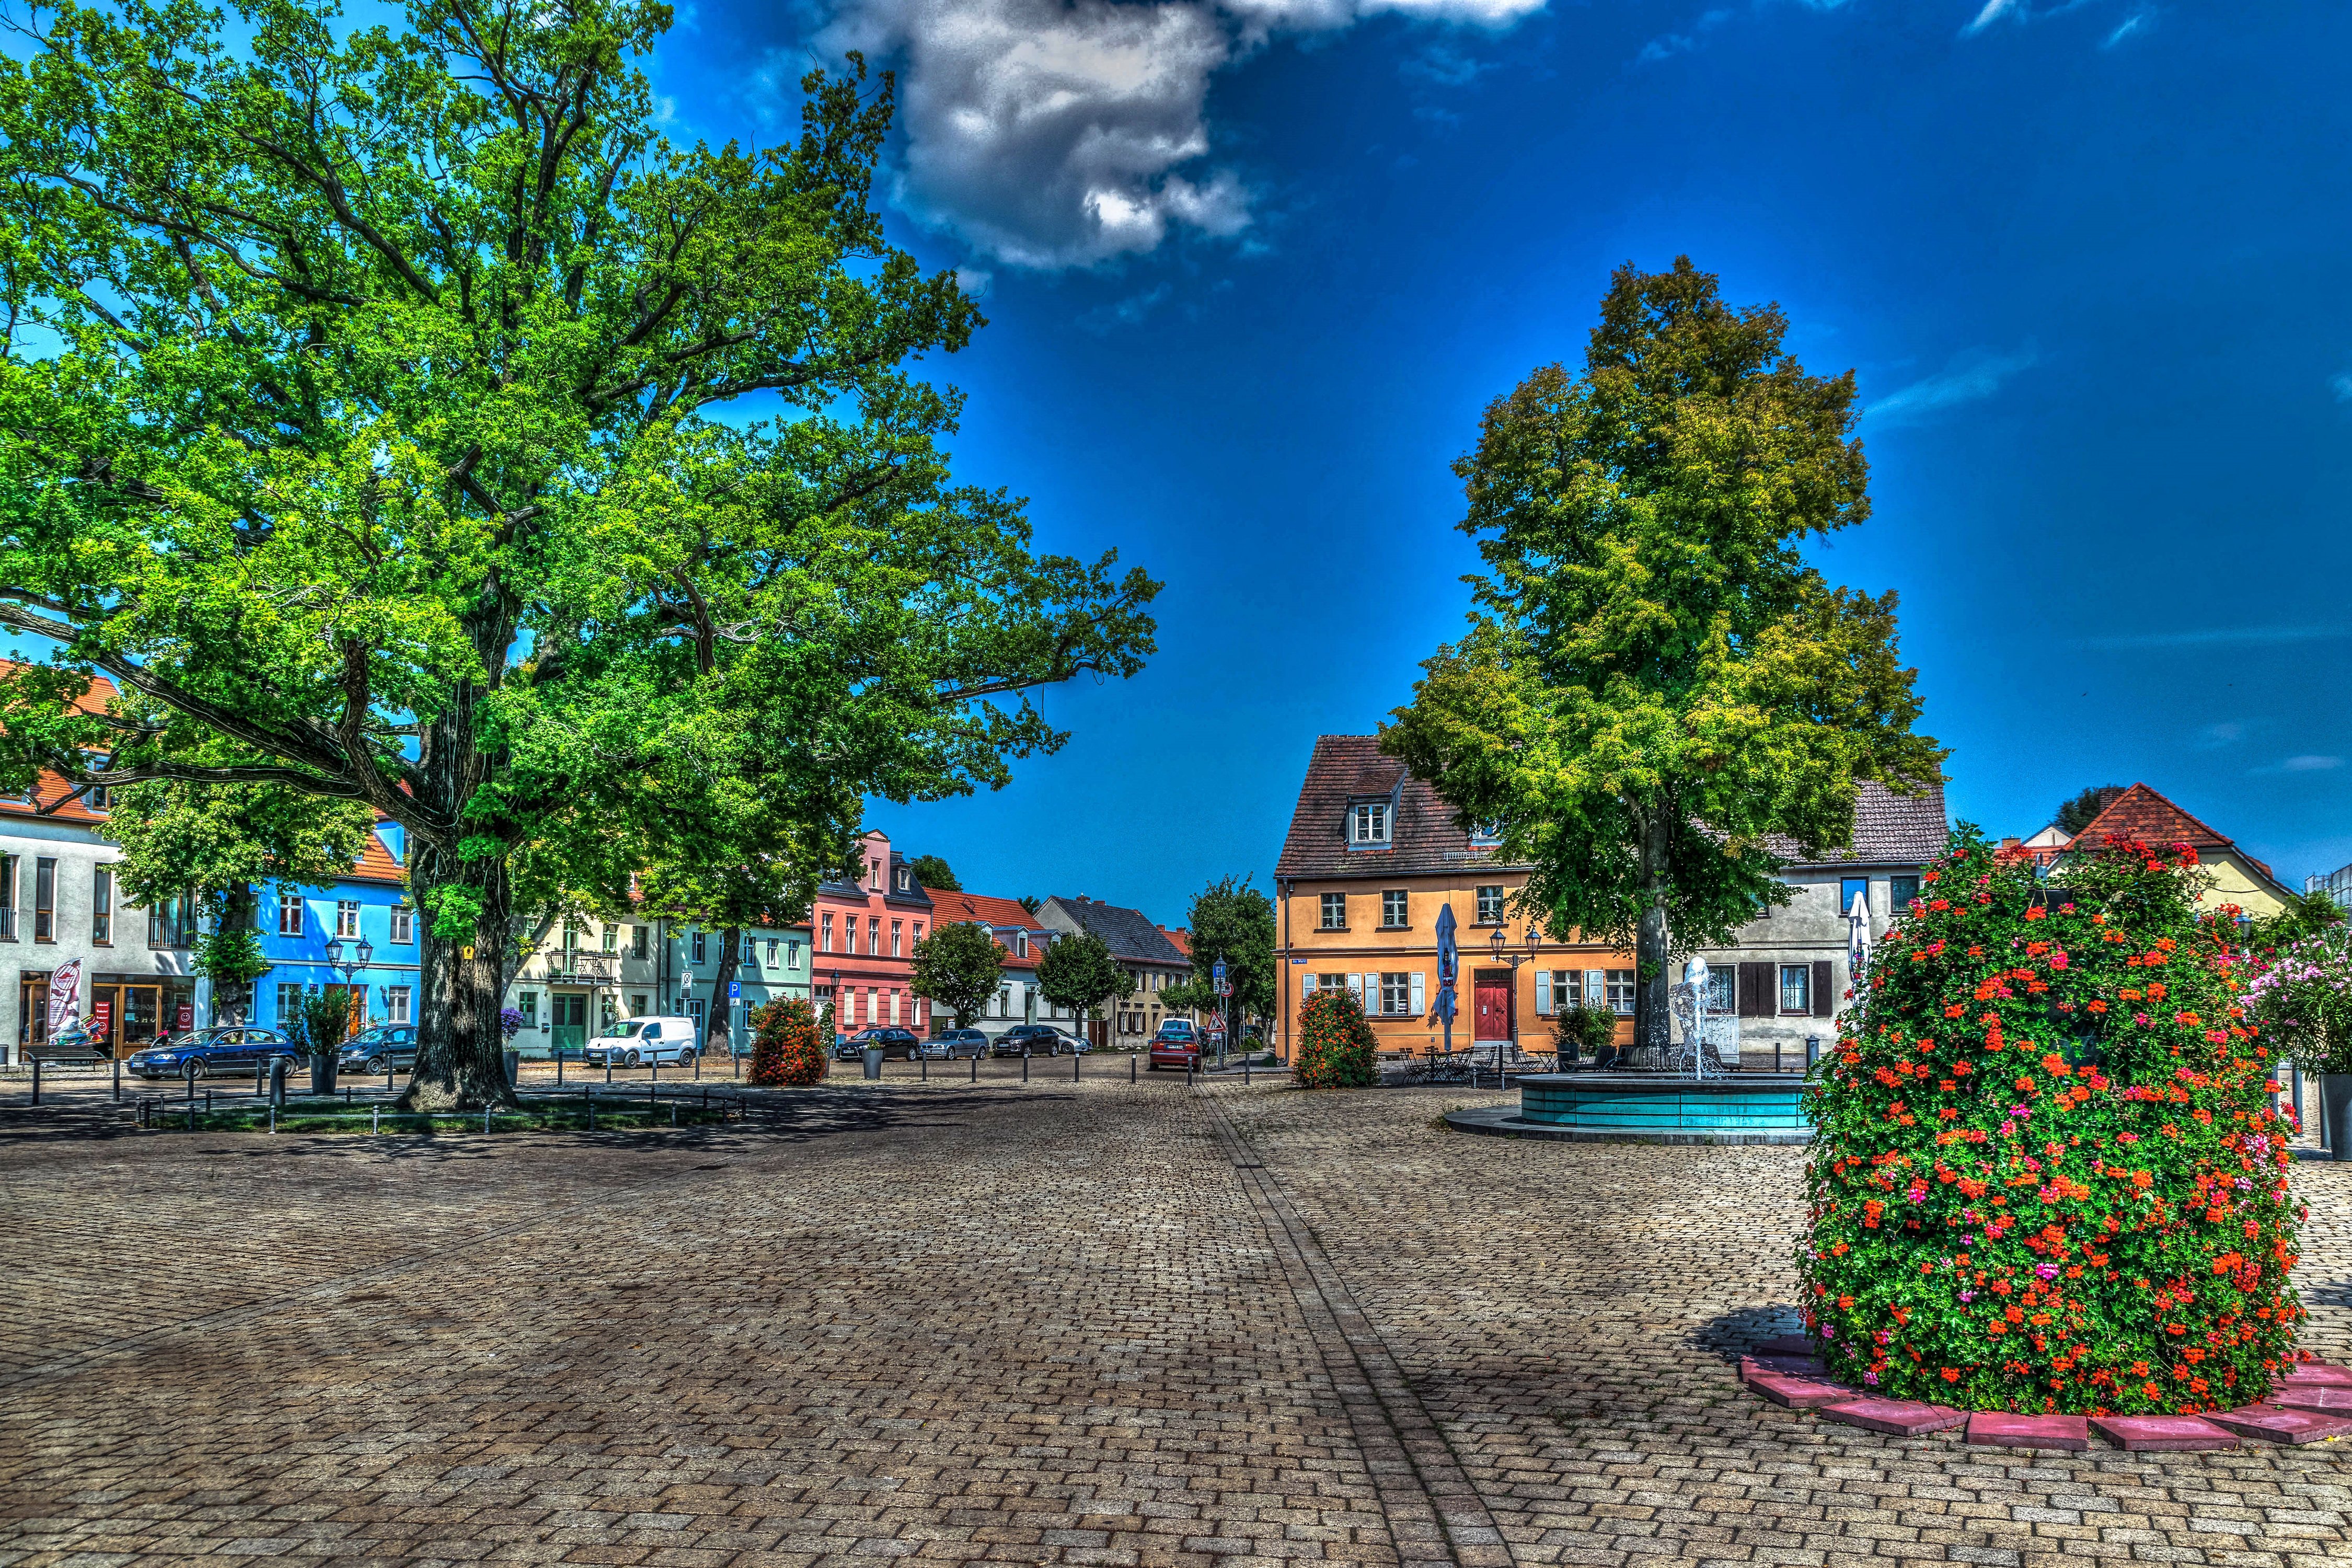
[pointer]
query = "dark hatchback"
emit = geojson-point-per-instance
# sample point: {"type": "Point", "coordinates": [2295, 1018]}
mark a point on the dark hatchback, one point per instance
{"type": "Point", "coordinates": [892, 1042]}
{"type": "Point", "coordinates": [231, 1050]}
{"type": "Point", "coordinates": [384, 1049]}
{"type": "Point", "coordinates": [1034, 1040]}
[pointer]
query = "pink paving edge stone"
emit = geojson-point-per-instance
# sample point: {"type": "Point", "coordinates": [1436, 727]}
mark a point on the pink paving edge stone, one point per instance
{"type": "Point", "coordinates": [2281, 1426]}
{"type": "Point", "coordinates": [1787, 1344]}
{"type": "Point", "coordinates": [2006, 1430]}
{"type": "Point", "coordinates": [1798, 1392]}
{"type": "Point", "coordinates": [2163, 1434]}
{"type": "Point", "coordinates": [2321, 1398]}
{"type": "Point", "coordinates": [1901, 1417]}
{"type": "Point", "coordinates": [2316, 1375]}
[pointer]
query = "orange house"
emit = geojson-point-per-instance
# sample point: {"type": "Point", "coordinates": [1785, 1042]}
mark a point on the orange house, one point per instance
{"type": "Point", "coordinates": [1371, 859]}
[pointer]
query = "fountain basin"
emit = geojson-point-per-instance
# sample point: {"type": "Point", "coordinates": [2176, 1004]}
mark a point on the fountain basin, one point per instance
{"type": "Point", "coordinates": [1648, 1107]}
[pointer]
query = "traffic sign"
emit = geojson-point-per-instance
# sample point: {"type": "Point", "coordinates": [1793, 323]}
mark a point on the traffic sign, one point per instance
{"type": "Point", "coordinates": [734, 990]}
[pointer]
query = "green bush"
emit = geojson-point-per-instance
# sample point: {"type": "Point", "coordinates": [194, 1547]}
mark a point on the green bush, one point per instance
{"type": "Point", "coordinates": [1589, 1030]}
{"type": "Point", "coordinates": [2045, 1173]}
{"type": "Point", "coordinates": [1334, 1044]}
{"type": "Point", "coordinates": [788, 1049]}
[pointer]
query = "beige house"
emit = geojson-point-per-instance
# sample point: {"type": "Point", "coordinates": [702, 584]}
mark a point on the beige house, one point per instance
{"type": "Point", "coordinates": [2139, 813]}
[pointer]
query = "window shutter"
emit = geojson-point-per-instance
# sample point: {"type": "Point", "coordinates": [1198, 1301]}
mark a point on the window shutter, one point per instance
{"type": "Point", "coordinates": [1355, 985]}
{"type": "Point", "coordinates": [1756, 999]}
{"type": "Point", "coordinates": [1420, 1001]}
{"type": "Point", "coordinates": [1306, 988]}
{"type": "Point", "coordinates": [1543, 995]}
{"type": "Point", "coordinates": [1372, 992]}
{"type": "Point", "coordinates": [1823, 1006]}
{"type": "Point", "coordinates": [1596, 988]}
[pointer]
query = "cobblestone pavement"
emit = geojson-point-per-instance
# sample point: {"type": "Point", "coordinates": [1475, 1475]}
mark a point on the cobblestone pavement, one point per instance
{"type": "Point", "coordinates": [1086, 1323]}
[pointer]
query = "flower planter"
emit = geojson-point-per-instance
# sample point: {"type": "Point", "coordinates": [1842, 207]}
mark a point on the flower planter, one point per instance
{"type": "Point", "coordinates": [2336, 1113]}
{"type": "Point", "coordinates": [322, 1072]}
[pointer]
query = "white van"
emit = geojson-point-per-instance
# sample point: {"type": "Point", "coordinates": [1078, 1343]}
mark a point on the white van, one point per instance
{"type": "Point", "coordinates": [641, 1042]}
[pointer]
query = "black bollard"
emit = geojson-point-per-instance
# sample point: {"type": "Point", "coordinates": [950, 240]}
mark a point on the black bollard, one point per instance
{"type": "Point", "coordinates": [1130, 1069]}
{"type": "Point", "coordinates": [118, 1079]}
{"type": "Point", "coordinates": [590, 1096]}
{"type": "Point", "coordinates": [387, 1070]}
{"type": "Point", "coordinates": [975, 1069]}
{"type": "Point", "coordinates": [608, 1068]}
{"type": "Point", "coordinates": [36, 1080]}
{"type": "Point", "coordinates": [926, 1069]}
{"type": "Point", "coordinates": [559, 1067]}
{"type": "Point", "coordinates": [1078, 1059]}
{"type": "Point", "coordinates": [1025, 1064]}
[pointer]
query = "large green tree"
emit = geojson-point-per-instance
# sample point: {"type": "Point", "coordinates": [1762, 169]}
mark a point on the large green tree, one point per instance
{"type": "Point", "coordinates": [373, 411]}
{"type": "Point", "coordinates": [1230, 921]}
{"type": "Point", "coordinates": [960, 966]}
{"type": "Point", "coordinates": [1655, 681]}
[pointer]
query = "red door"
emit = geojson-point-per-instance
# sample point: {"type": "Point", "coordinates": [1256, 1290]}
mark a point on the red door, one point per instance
{"type": "Point", "coordinates": [1494, 1009]}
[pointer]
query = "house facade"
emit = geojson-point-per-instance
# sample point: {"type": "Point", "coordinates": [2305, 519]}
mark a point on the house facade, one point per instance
{"type": "Point", "coordinates": [59, 901]}
{"type": "Point", "coordinates": [1787, 974]}
{"type": "Point", "coordinates": [1022, 937]}
{"type": "Point", "coordinates": [2140, 812]}
{"type": "Point", "coordinates": [585, 973]}
{"type": "Point", "coordinates": [363, 919]}
{"type": "Point", "coordinates": [865, 928]}
{"type": "Point", "coordinates": [1152, 960]}
{"type": "Point", "coordinates": [1371, 859]}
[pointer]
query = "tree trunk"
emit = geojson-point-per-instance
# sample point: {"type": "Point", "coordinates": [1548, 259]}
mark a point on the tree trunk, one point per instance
{"type": "Point", "coordinates": [1653, 1013]}
{"type": "Point", "coordinates": [723, 1007]}
{"type": "Point", "coordinates": [461, 1049]}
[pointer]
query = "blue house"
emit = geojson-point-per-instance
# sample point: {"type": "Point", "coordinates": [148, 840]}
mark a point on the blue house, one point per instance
{"type": "Point", "coordinates": [359, 935]}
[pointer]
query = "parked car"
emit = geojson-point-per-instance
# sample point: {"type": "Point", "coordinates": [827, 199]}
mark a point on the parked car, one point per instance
{"type": "Point", "coordinates": [381, 1049]}
{"type": "Point", "coordinates": [227, 1050]}
{"type": "Point", "coordinates": [1176, 1044]}
{"type": "Point", "coordinates": [645, 1042]}
{"type": "Point", "coordinates": [1037, 1040]}
{"type": "Point", "coordinates": [894, 1042]}
{"type": "Point", "coordinates": [951, 1045]}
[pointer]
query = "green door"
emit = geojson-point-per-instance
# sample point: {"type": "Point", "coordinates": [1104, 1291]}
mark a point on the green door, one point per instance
{"type": "Point", "coordinates": [570, 1022]}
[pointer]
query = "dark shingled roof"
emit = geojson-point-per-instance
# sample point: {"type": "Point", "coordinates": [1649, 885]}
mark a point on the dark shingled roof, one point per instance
{"type": "Point", "coordinates": [1129, 934]}
{"type": "Point", "coordinates": [1889, 829]}
{"type": "Point", "coordinates": [1424, 836]}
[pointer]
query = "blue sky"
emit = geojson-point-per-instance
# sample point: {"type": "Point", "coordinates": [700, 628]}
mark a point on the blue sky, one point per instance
{"type": "Point", "coordinates": [1253, 271]}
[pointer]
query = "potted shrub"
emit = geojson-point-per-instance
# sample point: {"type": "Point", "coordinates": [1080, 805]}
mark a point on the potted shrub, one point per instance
{"type": "Point", "coordinates": [1334, 1044]}
{"type": "Point", "coordinates": [323, 1020]}
{"type": "Point", "coordinates": [787, 1046]}
{"type": "Point", "coordinates": [1581, 1031]}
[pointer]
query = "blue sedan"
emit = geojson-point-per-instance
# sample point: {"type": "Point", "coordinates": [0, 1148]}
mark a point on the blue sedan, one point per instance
{"type": "Point", "coordinates": [230, 1051]}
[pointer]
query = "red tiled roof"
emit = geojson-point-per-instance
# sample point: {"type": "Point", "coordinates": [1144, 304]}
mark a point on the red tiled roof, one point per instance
{"type": "Point", "coordinates": [1178, 938]}
{"type": "Point", "coordinates": [50, 788]}
{"type": "Point", "coordinates": [1424, 836]}
{"type": "Point", "coordinates": [951, 909]}
{"type": "Point", "coordinates": [2142, 814]}
{"type": "Point", "coordinates": [1889, 829]}
{"type": "Point", "coordinates": [375, 863]}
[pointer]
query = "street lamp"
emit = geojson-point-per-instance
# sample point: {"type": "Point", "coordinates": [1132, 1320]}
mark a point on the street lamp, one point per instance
{"type": "Point", "coordinates": [1499, 944]}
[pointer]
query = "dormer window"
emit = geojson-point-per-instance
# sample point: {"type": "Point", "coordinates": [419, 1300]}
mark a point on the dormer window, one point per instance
{"type": "Point", "coordinates": [1020, 944]}
{"type": "Point", "coordinates": [1369, 823]}
{"type": "Point", "coordinates": [1486, 835]}
{"type": "Point", "coordinates": [905, 878]}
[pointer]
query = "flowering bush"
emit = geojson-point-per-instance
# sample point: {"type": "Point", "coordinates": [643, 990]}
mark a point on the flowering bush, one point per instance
{"type": "Point", "coordinates": [510, 1022]}
{"type": "Point", "coordinates": [1334, 1044]}
{"type": "Point", "coordinates": [2302, 994]}
{"type": "Point", "coordinates": [788, 1049]}
{"type": "Point", "coordinates": [2046, 1174]}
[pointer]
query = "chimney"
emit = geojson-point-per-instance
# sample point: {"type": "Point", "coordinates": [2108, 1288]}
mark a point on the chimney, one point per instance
{"type": "Point", "coordinates": [2009, 844]}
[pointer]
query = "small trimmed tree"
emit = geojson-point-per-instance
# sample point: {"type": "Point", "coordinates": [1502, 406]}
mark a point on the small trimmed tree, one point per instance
{"type": "Point", "coordinates": [1334, 1044]}
{"type": "Point", "coordinates": [788, 1048]}
{"type": "Point", "coordinates": [959, 966]}
{"type": "Point", "coordinates": [1080, 973]}
{"type": "Point", "coordinates": [2046, 1174]}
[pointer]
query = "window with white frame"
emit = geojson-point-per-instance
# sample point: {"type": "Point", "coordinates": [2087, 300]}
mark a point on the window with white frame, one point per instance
{"type": "Point", "coordinates": [776, 945]}
{"type": "Point", "coordinates": [1335, 911]}
{"type": "Point", "coordinates": [1394, 908]}
{"type": "Point", "coordinates": [1720, 991]}
{"type": "Point", "coordinates": [1619, 992]}
{"type": "Point", "coordinates": [1021, 943]}
{"type": "Point", "coordinates": [347, 917]}
{"type": "Point", "coordinates": [1559, 991]}
{"type": "Point", "coordinates": [404, 925]}
{"type": "Point", "coordinates": [1796, 988]}
{"type": "Point", "coordinates": [290, 912]}
{"type": "Point", "coordinates": [1368, 823]}
{"type": "Point", "coordinates": [896, 936]}
{"type": "Point", "coordinates": [1396, 993]}
{"type": "Point", "coordinates": [824, 926]}
{"type": "Point", "coordinates": [289, 1003]}
{"type": "Point", "coordinates": [792, 953]}
{"type": "Point", "coordinates": [396, 1003]}
{"type": "Point", "coordinates": [1490, 906]}
{"type": "Point", "coordinates": [874, 935]}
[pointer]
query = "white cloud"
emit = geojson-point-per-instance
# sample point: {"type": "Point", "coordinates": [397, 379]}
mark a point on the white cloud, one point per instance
{"type": "Point", "coordinates": [1055, 134]}
{"type": "Point", "coordinates": [2309, 764]}
{"type": "Point", "coordinates": [1971, 377]}
{"type": "Point", "coordinates": [1994, 10]}
{"type": "Point", "coordinates": [2219, 637]}
{"type": "Point", "coordinates": [1666, 46]}
{"type": "Point", "coordinates": [2341, 386]}
{"type": "Point", "coordinates": [2137, 22]}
